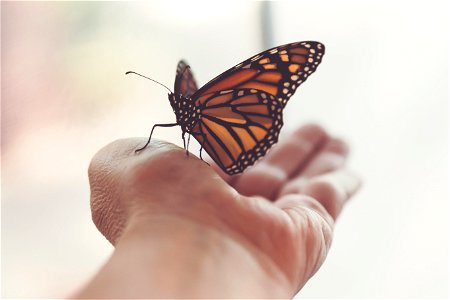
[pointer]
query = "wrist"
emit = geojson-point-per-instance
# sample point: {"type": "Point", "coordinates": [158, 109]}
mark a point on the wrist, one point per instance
{"type": "Point", "coordinates": [167, 256]}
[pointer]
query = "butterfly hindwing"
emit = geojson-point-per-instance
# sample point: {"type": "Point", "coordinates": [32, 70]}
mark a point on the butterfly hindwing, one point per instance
{"type": "Point", "coordinates": [277, 71]}
{"type": "Point", "coordinates": [238, 126]}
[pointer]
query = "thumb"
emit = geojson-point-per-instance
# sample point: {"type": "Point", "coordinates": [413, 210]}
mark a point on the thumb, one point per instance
{"type": "Point", "coordinates": [109, 173]}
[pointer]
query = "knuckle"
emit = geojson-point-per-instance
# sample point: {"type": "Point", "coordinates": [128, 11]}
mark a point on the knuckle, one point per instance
{"type": "Point", "coordinates": [327, 193]}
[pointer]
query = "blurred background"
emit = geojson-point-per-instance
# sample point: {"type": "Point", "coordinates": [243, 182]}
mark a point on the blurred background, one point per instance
{"type": "Point", "coordinates": [383, 86]}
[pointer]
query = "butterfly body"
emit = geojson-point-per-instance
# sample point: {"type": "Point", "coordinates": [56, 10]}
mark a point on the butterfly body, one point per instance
{"type": "Point", "coordinates": [237, 116]}
{"type": "Point", "coordinates": [187, 115]}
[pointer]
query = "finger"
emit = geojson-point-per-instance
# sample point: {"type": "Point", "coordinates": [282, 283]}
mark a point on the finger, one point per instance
{"type": "Point", "coordinates": [227, 178]}
{"type": "Point", "coordinates": [331, 157]}
{"type": "Point", "coordinates": [266, 177]}
{"type": "Point", "coordinates": [331, 190]}
{"type": "Point", "coordinates": [294, 151]}
{"type": "Point", "coordinates": [297, 203]}
{"type": "Point", "coordinates": [314, 229]}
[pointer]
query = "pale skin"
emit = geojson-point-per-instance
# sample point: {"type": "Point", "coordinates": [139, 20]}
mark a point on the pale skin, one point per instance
{"type": "Point", "coordinates": [184, 229]}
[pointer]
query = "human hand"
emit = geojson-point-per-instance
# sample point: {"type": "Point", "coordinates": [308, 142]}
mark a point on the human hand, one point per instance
{"type": "Point", "coordinates": [181, 230]}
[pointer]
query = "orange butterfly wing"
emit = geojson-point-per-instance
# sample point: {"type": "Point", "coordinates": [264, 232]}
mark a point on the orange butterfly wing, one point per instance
{"type": "Point", "coordinates": [238, 126]}
{"type": "Point", "coordinates": [240, 111]}
{"type": "Point", "coordinates": [278, 71]}
{"type": "Point", "coordinates": [184, 81]}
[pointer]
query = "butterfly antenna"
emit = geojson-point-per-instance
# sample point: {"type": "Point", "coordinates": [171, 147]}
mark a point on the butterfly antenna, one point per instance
{"type": "Point", "coordinates": [149, 79]}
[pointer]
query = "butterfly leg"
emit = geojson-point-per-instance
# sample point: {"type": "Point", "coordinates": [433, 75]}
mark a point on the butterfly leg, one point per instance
{"type": "Point", "coordinates": [151, 132]}
{"type": "Point", "coordinates": [187, 145]}
{"type": "Point", "coordinates": [201, 146]}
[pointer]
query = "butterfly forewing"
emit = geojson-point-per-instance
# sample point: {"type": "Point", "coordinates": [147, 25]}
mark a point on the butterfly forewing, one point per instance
{"type": "Point", "coordinates": [184, 81]}
{"type": "Point", "coordinates": [278, 71]}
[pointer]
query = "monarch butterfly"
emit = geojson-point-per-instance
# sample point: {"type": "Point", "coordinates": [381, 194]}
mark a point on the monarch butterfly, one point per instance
{"type": "Point", "coordinates": [237, 116]}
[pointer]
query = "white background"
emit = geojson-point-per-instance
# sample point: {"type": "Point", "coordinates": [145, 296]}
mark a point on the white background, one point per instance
{"type": "Point", "coordinates": [382, 86]}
